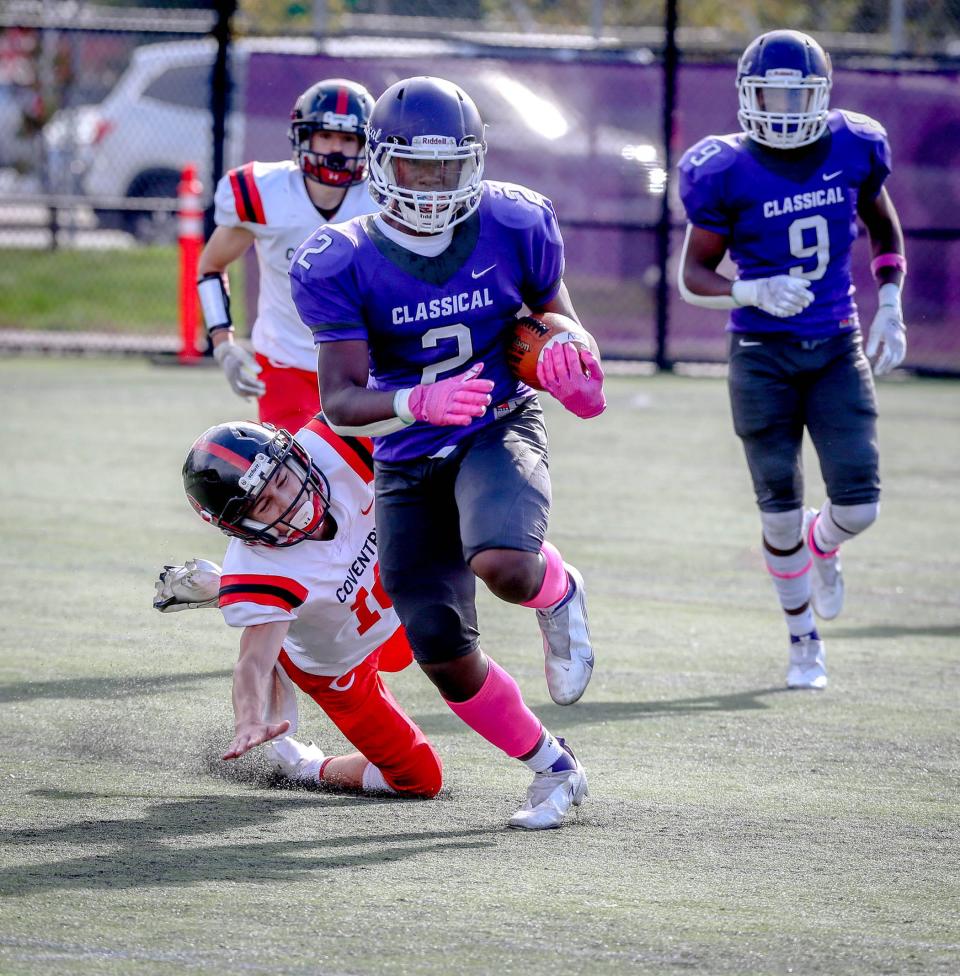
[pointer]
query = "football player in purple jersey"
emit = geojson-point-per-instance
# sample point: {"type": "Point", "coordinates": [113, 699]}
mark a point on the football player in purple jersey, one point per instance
{"type": "Point", "coordinates": [411, 310]}
{"type": "Point", "coordinates": [783, 198]}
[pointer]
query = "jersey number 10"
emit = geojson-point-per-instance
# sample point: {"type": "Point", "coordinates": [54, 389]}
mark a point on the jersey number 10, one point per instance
{"type": "Point", "coordinates": [367, 617]}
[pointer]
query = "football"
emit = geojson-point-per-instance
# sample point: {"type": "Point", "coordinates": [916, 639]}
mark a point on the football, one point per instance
{"type": "Point", "coordinates": [531, 335]}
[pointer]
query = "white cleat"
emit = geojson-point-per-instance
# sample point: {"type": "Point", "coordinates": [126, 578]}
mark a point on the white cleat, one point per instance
{"type": "Point", "coordinates": [550, 797]}
{"type": "Point", "coordinates": [826, 581]}
{"type": "Point", "coordinates": [808, 664]}
{"type": "Point", "coordinates": [568, 653]}
{"type": "Point", "coordinates": [296, 761]}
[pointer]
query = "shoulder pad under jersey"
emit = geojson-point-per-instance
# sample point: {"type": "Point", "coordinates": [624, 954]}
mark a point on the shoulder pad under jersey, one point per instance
{"type": "Point", "coordinates": [272, 178]}
{"type": "Point", "coordinates": [328, 250]}
{"type": "Point", "coordinates": [514, 205]}
{"type": "Point", "coordinates": [857, 124]}
{"type": "Point", "coordinates": [247, 202]}
{"type": "Point", "coordinates": [712, 154]}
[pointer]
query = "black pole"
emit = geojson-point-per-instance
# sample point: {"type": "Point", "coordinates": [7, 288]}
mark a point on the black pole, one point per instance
{"type": "Point", "coordinates": [220, 87]}
{"type": "Point", "coordinates": [670, 61]}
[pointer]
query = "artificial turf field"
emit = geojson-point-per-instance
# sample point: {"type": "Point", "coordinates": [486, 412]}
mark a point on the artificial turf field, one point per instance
{"type": "Point", "coordinates": [732, 827]}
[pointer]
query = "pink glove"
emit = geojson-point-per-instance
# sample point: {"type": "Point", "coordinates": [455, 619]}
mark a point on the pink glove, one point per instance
{"type": "Point", "coordinates": [569, 372]}
{"type": "Point", "coordinates": [454, 401]}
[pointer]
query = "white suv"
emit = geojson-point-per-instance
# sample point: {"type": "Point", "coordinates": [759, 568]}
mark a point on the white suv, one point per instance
{"type": "Point", "coordinates": [127, 153]}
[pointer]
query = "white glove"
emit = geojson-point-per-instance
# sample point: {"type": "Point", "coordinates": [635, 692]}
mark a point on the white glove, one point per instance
{"type": "Point", "coordinates": [194, 585]}
{"type": "Point", "coordinates": [888, 334]}
{"type": "Point", "coordinates": [240, 368]}
{"type": "Point", "coordinates": [781, 295]}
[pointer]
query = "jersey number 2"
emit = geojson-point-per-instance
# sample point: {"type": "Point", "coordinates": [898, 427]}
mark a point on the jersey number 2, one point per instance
{"type": "Point", "coordinates": [323, 242]}
{"type": "Point", "coordinates": [431, 339]}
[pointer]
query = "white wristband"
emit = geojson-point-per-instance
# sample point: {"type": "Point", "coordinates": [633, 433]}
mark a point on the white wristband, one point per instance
{"type": "Point", "coordinates": [889, 295]}
{"type": "Point", "coordinates": [744, 292]}
{"type": "Point", "coordinates": [401, 406]}
{"type": "Point", "coordinates": [214, 302]}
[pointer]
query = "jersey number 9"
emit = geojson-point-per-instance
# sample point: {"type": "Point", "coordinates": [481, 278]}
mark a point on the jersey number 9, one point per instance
{"type": "Point", "coordinates": [819, 249]}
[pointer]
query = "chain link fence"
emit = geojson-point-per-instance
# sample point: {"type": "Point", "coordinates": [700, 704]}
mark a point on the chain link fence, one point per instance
{"type": "Point", "coordinates": [101, 107]}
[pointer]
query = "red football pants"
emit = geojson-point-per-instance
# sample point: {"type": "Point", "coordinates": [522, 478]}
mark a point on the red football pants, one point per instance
{"type": "Point", "coordinates": [292, 397]}
{"type": "Point", "coordinates": [363, 709]}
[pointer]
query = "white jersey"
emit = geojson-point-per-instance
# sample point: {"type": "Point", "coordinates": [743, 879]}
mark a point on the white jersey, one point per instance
{"type": "Point", "coordinates": [329, 590]}
{"type": "Point", "coordinates": [271, 201]}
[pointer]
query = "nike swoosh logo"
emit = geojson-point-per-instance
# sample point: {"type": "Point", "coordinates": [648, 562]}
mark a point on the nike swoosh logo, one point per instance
{"type": "Point", "coordinates": [831, 176]}
{"type": "Point", "coordinates": [747, 342]}
{"type": "Point", "coordinates": [336, 686]}
{"type": "Point", "coordinates": [480, 274]}
{"type": "Point", "coordinates": [366, 511]}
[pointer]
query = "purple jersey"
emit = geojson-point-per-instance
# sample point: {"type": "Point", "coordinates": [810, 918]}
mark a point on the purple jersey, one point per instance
{"type": "Point", "coordinates": [789, 213]}
{"type": "Point", "coordinates": [430, 318]}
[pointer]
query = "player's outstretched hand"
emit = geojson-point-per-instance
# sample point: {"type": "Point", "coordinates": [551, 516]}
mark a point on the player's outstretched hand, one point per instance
{"type": "Point", "coordinates": [248, 735]}
{"type": "Point", "coordinates": [454, 401]}
{"type": "Point", "coordinates": [887, 342]}
{"type": "Point", "coordinates": [191, 586]}
{"type": "Point", "coordinates": [571, 373]}
{"type": "Point", "coordinates": [781, 295]}
{"type": "Point", "coordinates": [240, 368]}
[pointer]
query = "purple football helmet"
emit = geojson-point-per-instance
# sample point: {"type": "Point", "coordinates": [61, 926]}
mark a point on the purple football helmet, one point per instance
{"type": "Point", "coordinates": [425, 152]}
{"type": "Point", "coordinates": [784, 79]}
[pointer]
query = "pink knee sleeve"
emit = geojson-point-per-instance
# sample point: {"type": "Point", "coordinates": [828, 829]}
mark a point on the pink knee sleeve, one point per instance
{"type": "Point", "coordinates": [498, 713]}
{"type": "Point", "coordinates": [555, 582]}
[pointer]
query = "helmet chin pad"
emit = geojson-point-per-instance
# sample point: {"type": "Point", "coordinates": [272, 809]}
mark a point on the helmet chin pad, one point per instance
{"type": "Point", "coordinates": [331, 169]}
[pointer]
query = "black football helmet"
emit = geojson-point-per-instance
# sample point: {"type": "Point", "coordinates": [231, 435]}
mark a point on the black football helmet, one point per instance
{"type": "Point", "coordinates": [783, 80]}
{"type": "Point", "coordinates": [231, 464]}
{"type": "Point", "coordinates": [333, 105]}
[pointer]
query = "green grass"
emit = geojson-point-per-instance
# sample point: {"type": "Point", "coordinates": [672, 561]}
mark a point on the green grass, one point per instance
{"type": "Point", "coordinates": [732, 827]}
{"type": "Point", "coordinates": [126, 291]}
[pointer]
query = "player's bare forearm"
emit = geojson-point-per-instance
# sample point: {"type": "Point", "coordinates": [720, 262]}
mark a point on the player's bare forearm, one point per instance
{"type": "Point", "coordinates": [226, 244]}
{"type": "Point", "coordinates": [562, 303]}
{"type": "Point", "coordinates": [260, 647]}
{"type": "Point", "coordinates": [880, 218]}
{"type": "Point", "coordinates": [253, 678]}
{"type": "Point", "coordinates": [702, 253]}
{"type": "Point", "coordinates": [342, 369]}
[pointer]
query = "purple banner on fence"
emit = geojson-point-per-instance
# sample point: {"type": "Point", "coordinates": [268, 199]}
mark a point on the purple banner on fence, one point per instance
{"type": "Point", "coordinates": [588, 135]}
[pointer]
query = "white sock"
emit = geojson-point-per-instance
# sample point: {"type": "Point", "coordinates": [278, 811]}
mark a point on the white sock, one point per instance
{"type": "Point", "coordinates": [790, 575]}
{"type": "Point", "coordinates": [801, 624]}
{"type": "Point", "coordinates": [373, 781]}
{"type": "Point", "coordinates": [549, 752]}
{"type": "Point", "coordinates": [838, 523]}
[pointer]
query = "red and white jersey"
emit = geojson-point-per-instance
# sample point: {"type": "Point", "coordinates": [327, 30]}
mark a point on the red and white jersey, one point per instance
{"type": "Point", "coordinates": [329, 590]}
{"type": "Point", "coordinates": [271, 201]}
